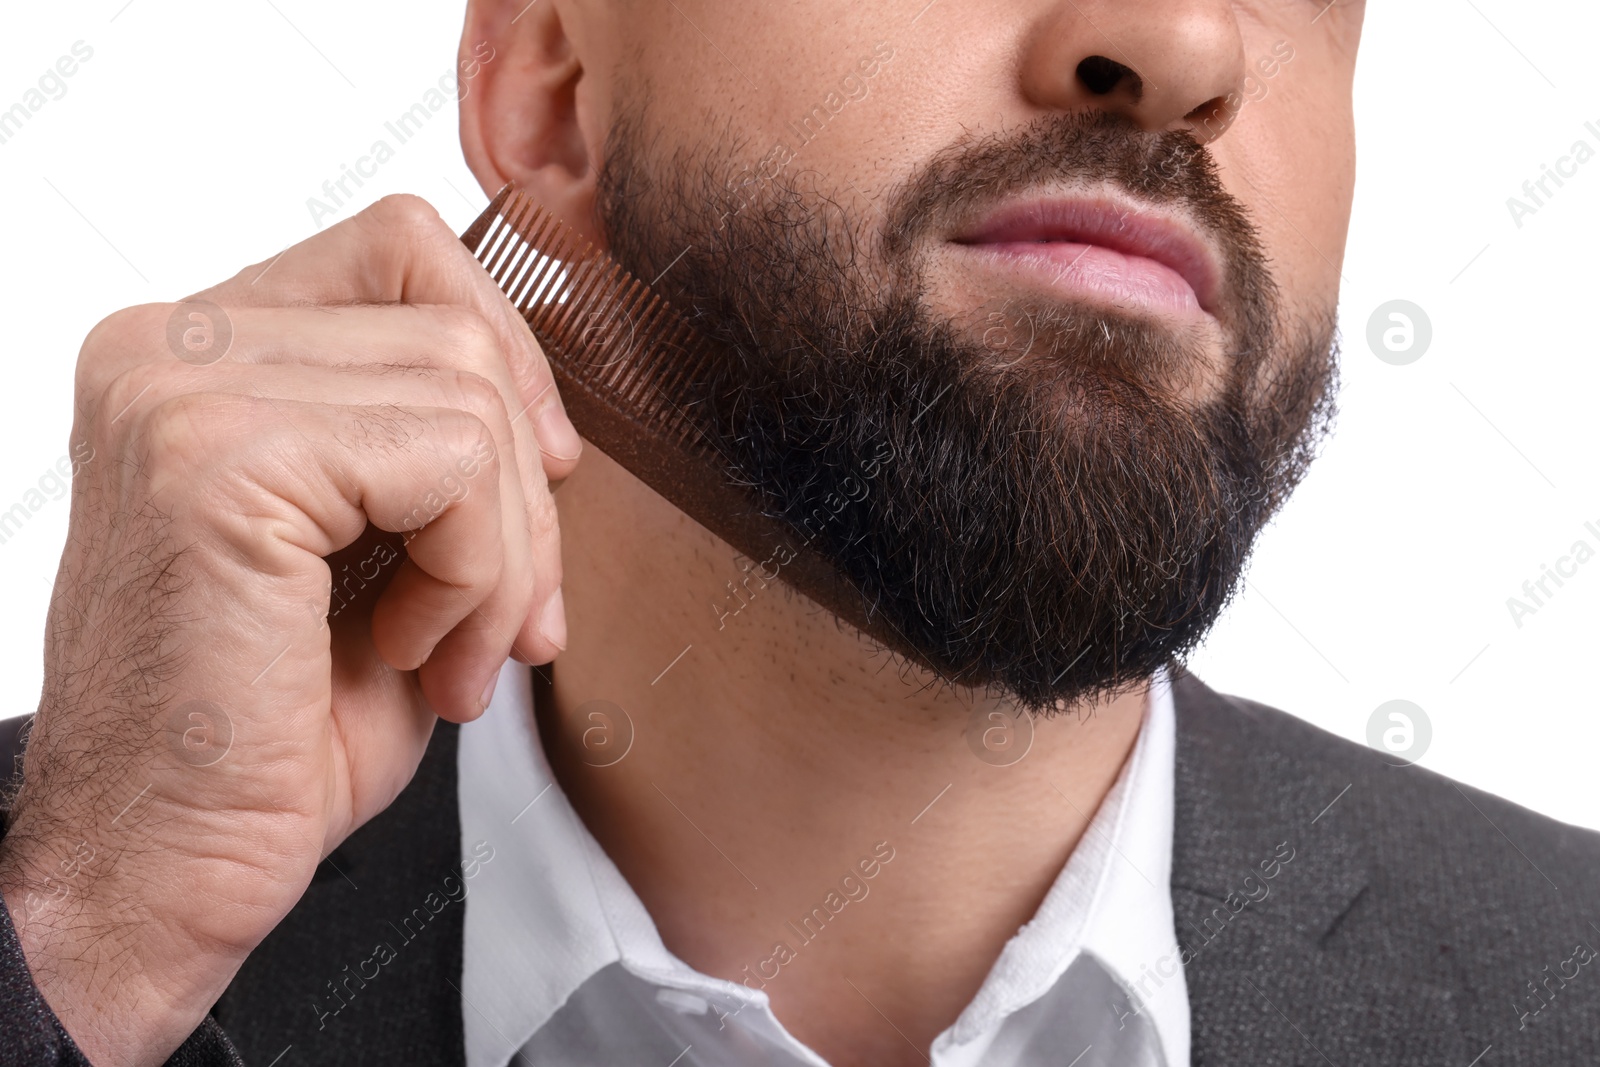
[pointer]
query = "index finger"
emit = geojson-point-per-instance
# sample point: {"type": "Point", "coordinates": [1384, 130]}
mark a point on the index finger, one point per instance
{"type": "Point", "coordinates": [399, 251]}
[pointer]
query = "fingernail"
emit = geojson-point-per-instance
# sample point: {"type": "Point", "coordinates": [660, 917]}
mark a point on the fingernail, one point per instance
{"type": "Point", "coordinates": [557, 436]}
{"type": "Point", "coordinates": [553, 621]}
{"type": "Point", "coordinates": [488, 690]}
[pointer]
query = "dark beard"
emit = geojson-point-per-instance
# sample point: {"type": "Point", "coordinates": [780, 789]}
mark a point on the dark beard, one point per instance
{"type": "Point", "coordinates": [1037, 510]}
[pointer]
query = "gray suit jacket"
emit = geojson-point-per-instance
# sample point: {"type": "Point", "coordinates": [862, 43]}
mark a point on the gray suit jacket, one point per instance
{"type": "Point", "coordinates": [1414, 921]}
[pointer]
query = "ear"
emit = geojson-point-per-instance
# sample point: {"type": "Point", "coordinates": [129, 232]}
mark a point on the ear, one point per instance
{"type": "Point", "coordinates": [526, 116]}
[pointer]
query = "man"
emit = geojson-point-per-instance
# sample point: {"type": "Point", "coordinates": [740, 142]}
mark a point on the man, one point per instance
{"type": "Point", "coordinates": [1032, 303]}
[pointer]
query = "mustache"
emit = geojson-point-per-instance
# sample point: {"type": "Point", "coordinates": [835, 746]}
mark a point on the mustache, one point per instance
{"type": "Point", "coordinates": [1168, 168]}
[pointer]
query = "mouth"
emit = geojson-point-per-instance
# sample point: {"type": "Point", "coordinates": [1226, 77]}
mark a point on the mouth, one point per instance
{"type": "Point", "coordinates": [1116, 253]}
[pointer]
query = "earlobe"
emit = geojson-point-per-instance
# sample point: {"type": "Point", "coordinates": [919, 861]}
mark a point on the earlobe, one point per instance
{"type": "Point", "coordinates": [520, 80]}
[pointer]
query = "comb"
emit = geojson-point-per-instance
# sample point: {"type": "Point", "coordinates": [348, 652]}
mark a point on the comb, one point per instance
{"type": "Point", "coordinates": [619, 353]}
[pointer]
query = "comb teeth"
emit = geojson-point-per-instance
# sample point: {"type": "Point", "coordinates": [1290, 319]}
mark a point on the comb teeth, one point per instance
{"type": "Point", "coordinates": [598, 325]}
{"type": "Point", "coordinates": [617, 353]}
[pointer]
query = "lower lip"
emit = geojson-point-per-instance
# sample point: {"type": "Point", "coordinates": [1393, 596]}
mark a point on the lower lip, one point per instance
{"type": "Point", "coordinates": [1100, 274]}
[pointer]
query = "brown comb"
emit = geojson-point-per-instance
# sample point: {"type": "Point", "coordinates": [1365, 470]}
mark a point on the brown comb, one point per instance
{"type": "Point", "coordinates": [618, 354]}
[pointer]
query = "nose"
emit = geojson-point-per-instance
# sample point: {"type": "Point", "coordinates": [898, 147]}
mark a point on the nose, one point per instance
{"type": "Point", "coordinates": [1162, 64]}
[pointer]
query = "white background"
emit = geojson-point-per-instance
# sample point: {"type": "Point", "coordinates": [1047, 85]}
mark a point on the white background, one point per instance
{"type": "Point", "coordinates": [190, 142]}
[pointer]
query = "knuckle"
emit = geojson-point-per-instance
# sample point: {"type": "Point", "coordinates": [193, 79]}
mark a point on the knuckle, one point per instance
{"type": "Point", "coordinates": [407, 214]}
{"type": "Point", "coordinates": [109, 340]}
{"type": "Point", "coordinates": [126, 388]}
{"type": "Point", "coordinates": [180, 435]}
{"type": "Point", "coordinates": [470, 446]}
{"type": "Point", "coordinates": [470, 337]}
{"type": "Point", "coordinates": [476, 394]}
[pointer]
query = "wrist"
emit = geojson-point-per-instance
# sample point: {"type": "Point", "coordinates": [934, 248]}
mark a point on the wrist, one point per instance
{"type": "Point", "coordinates": [126, 986]}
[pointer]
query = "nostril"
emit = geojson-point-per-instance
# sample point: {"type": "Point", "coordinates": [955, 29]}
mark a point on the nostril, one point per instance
{"type": "Point", "coordinates": [1102, 76]}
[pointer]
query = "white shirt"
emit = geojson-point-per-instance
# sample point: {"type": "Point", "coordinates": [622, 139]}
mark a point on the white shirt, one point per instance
{"type": "Point", "coordinates": [564, 967]}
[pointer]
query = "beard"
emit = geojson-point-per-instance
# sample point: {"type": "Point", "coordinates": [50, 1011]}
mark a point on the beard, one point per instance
{"type": "Point", "coordinates": [1028, 494]}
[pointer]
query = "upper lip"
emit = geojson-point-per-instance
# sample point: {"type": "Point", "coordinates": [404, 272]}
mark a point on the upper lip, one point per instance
{"type": "Point", "coordinates": [1120, 226]}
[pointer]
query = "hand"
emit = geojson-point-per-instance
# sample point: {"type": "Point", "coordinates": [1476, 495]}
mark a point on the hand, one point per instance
{"type": "Point", "coordinates": [282, 564]}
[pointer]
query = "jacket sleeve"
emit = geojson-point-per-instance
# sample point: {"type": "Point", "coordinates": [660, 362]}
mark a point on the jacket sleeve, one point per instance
{"type": "Point", "coordinates": [32, 1036]}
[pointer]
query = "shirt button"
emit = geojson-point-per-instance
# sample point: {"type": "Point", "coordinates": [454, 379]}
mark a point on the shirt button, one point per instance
{"type": "Point", "coordinates": [685, 1003]}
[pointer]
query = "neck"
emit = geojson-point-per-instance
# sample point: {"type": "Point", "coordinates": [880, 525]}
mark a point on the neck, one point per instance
{"type": "Point", "coordinates": [797, 807]}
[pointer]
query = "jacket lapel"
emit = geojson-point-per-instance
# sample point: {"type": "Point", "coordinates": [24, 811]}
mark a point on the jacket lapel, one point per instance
{"type": "Point", "coordinates": [1273, 900]}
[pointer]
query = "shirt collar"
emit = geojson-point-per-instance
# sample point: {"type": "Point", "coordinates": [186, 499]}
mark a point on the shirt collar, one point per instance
{"type": "Point", "coordinates": [534, 901]}
{"type": "Point", "coordinates": [557, 910]}
{"type": "Point", "coordinates": [551, 909]}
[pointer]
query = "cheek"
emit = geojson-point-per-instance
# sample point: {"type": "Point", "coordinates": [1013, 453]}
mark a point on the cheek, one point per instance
{"type": "Point", "coordinates": [815, 83]}
{"type": "Point", "coordinates": [1290, 157]}
{"type": "Point", "coordinates": [1297, 179]}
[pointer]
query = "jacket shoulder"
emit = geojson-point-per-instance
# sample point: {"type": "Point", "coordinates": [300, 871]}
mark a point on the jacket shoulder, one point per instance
{"type": "Point", "coordinates": [1421, 807]}
{"type": "Point", "coordinates": [1448, 918]}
